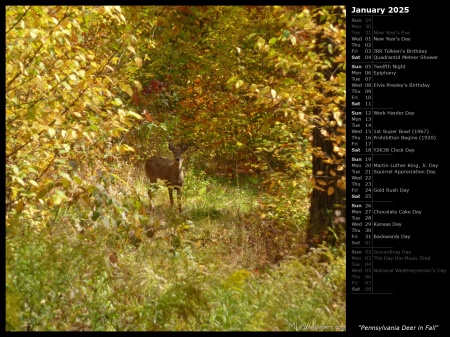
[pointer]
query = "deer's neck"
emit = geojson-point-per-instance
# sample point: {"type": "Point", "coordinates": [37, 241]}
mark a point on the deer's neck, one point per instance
{"type": "Point", "coordinates": [177, 173]}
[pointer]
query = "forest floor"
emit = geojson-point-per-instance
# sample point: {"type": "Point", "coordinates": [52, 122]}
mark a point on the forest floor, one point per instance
{"type": "Point", "coordinates": [216, 266]}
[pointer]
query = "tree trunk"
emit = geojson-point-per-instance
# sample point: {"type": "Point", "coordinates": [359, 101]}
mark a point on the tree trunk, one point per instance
{"type": "Point", "coordinates": [323, 206]}
{"type": "Point", "coordinates": [328, 196]}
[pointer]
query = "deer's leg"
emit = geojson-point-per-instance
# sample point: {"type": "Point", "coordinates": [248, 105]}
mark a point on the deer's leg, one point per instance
{"type": "Point", "coordinates": [150, 194]}
{"type": "Point", "coordinates": [170, 195]}
{"type": "Point", "coordinates": [179, 198]}
{"type": "Point", "coordinates": [150, 199]}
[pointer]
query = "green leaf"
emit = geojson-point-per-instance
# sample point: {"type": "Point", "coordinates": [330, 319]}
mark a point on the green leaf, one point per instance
{"type": "Point", "coordinates": [33, 182]}
{"type": "Point", "coordinates": [95, 215]}
{"type": "Point", "coordinates": [65, 175]}
{"type": "Point", "coordinates": [15, 169]}
{"type": "Point", "coordinates": [42, 192]}
{"type": "Point", "coordinates": [20, 181]}
{"type": "Point", "coordinates": [57, 199]}
{"type": "Point", "coordinates": [117, 101]}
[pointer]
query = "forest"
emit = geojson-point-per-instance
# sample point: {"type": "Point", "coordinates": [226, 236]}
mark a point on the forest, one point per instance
{"type": "Point", "coordinates": [247, 101]}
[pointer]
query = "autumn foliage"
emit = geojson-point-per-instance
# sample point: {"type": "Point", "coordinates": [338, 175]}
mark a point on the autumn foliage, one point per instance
{"type": "Point", "coordinates": [258, 93]}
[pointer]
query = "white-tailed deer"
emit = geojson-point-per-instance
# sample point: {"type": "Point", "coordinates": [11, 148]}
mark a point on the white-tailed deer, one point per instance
{"type": "Point", "coordinates": [171, 171]}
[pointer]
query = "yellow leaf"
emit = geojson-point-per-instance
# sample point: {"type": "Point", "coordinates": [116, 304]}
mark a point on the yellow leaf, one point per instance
{"type": "Point", "coordinates": [337, 117]}
{"type": "Point", "coordinates": [73, 134]}
{"type": "Point", "coordinates": [105, 83]}
{"type": "Point", "coordinates": [130, 48]}
{"type": "Point", "coordinates": [330, 190]}
{"type": "Point", "coordinates": [321, 182]}
{"type": "Point", "coordinates": [51, 132]}
{"type": "Point", "coordinates": [324, 133]}
{"type": "Point", "coordinates": [129, 91]}
{"type": "Point", "coordinates": [138, 85]}
{"type": "Point", "coordinates": [332, 173]}
{"type": "Point", "coordinates": [128, 148]}
{"type": "Point", "coordinates": [73, 77]}
{"type": "Point", "coordinates": [120, 149]}
{"type": "Point", "coordinates": [134, 114]}
{"type": "Point", "coordinates": [239, 144]}
{"type": "Point", "coordinates": [126, 88]}
{"type": "Point", "coordinates": [19, 206]}
{"type": "Point", "coordinates": [103, 63]}
{"type": "Point", "coordinates": [138, 61]}
{"type": "Point", "coordinates": [67, 86]}
{"type": "Point", "coordinates": [319, 188]}
{"type": "Point", "coordinates": [239, 83]}
{"type": "Point", "coordinates": [261, 42]}
{"type": "Point", "coordinates": [293, 40]}
{"type": "Point", "coordinates": [274, 93]}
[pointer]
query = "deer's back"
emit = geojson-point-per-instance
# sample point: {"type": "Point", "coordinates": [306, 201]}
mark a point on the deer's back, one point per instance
{"type": "Point", "coordinates": [158, 167]}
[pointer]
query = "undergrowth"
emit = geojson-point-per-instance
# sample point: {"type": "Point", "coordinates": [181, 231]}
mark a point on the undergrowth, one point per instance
{"type": "Point", "coordinates": [216, 266]}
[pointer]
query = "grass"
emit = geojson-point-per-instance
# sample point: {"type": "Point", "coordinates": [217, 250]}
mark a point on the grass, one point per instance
{"type": "Point", "coordinates": [212, 267]}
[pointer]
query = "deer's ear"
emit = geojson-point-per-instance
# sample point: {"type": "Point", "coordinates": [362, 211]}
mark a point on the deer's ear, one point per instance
{"type": "Point", "coordinates": [171, 148]}
{"type": "Point", "coordinates": [184, 147]}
